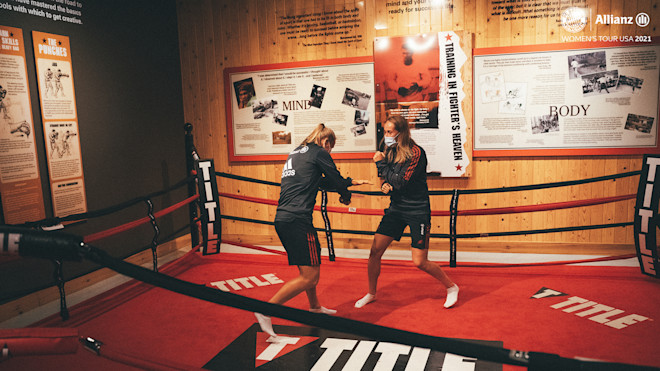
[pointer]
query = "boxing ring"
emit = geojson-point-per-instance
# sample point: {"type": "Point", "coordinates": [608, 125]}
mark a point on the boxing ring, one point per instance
{"type": "Point", "coordinates": [59, 336]}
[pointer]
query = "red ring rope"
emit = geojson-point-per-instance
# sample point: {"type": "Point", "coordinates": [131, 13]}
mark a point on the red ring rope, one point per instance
{"type": "Point", "coordinates": [130, 225]}
{"type": "Point", "coordinates": [498, 210]}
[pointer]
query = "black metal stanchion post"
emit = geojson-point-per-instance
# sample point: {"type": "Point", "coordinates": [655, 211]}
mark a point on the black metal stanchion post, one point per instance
{"type": "Point", "coordinates": [191, 152]}
{"type": "Point", "coordinates": [453, 210]}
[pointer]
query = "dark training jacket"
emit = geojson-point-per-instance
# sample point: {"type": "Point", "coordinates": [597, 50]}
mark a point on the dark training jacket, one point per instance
{"type": "Point", "coordinates": [411, 193]}
{"type": "Point", "coordinates": [306, 169]}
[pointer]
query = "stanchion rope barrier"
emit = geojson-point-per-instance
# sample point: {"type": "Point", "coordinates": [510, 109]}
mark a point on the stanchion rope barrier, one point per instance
{"type": "Point", "coordinates": [466, 191]}
{"type": "Point", "coordinates": [453, 212]}
{"type": "Point", "coordinates": [150, 218]}
{"type": "Point", "coordinates": [105, 211]}
{"type": "Point", "coordinates": [487, 211]}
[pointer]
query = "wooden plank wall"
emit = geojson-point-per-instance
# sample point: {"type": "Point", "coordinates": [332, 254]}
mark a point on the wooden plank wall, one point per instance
{"type": "Point", "coordinates": [216, 34]}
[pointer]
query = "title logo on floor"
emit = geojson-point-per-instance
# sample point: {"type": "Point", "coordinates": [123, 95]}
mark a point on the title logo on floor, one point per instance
{"type": "Point", "coordinates": [317, 349]}
{"type": "Point", "coordinates": [591, 310]}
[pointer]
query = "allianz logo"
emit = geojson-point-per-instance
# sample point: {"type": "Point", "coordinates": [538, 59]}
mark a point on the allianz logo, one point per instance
{"type": "Point", "coordinates": [641, 19]}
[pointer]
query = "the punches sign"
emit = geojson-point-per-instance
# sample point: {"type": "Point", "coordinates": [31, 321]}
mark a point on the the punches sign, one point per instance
{"type": "Point", "coordinates": [646, 216]}
{"type": "Point", "coordinates": [210, 207]}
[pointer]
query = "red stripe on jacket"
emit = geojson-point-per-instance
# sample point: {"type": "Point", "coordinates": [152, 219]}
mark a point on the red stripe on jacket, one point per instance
{"type": "Point", "coordinates": [414, 160]}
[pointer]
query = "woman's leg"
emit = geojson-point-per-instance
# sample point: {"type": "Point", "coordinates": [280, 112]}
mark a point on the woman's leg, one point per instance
{"type": "Point", "coordinates": [308, 279]}
{"type": "Point", "coordinates": [378, 247]}
{"type": "Point", "coordinates": [313, 298]}
{"type": "Point", "coordinates": [314, 303]}
{"type": "Point", "coordinates": [421, 261]}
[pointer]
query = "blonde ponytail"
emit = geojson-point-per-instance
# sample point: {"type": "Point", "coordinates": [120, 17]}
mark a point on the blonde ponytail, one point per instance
{"type": "Point", "coordinates": [320, 133]}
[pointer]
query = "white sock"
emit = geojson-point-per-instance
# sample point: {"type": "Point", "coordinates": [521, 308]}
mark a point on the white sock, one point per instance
{"type": "Point", "coordinates": [323, 310]}
{"type": "Point", "coordinates": [365, 300]}
{"type": "Point", "coordinates": [266, 324]}
{"type": "Point", "coordinates": [452, 296]}
{"type": "Point", "coordinates": [281, 339]}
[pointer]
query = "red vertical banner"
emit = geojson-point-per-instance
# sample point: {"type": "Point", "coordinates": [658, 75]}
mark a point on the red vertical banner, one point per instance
{"type": "Point", "coordinates": [52, 55]}
{"type": "Point", "coordinates": [20, 182]}
{"type": "Point", "coordinates": [420, 77]}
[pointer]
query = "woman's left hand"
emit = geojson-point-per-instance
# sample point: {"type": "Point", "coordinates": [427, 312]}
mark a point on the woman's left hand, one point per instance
{"type": "Point", "coordinates": [379, 156]}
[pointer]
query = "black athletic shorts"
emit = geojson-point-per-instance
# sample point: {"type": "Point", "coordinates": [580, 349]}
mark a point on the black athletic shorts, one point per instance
{"type": "Point", "coordinates": [393, 224]}
{"type": "Point", "coordinates": [300, 241]}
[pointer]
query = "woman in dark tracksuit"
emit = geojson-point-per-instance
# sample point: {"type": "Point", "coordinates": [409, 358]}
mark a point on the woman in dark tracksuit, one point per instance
{"type": "Point", "coordinates": [402, 167]}
{"type": "Point", "coordinates": [307, 168]}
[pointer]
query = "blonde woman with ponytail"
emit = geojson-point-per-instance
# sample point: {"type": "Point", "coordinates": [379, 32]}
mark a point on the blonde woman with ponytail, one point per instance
{"type": "Point", "coordinates": [402, 169]}
{"type": "Point", "coordinates": [307, 168]}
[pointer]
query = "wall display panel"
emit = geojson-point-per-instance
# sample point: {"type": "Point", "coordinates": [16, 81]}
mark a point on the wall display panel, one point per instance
{"type": "Point", "coordinates": [272, 108]}
{"type": "Point", "coordinates": [420, 77]}
{"type": "Point", "coordinates": [60, 120]}
{"type": "Point", "coordinates": [20, 181]}
{"type": "Point", "coordinates": [567, 99]}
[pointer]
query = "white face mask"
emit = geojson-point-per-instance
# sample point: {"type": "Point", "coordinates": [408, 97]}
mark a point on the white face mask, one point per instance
{"type": "Point", "coordinates": [389, 141]}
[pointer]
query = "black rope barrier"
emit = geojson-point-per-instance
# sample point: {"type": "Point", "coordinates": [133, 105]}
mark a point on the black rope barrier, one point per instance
{"type": "Point", "coordinates": [58, 269]}
{"type": "Point", "coordinates": [532, 360]}
{"type": "Point", "coordinates": [446, 235]}
{"type": "Point", "coordinates": [468, 191]}
{"type": "Point", "coordinates": [453, 209]}
{"type": "Point", "coordinates": [549, 230]}
{"type": "Point", "coordinates": [551, 185]}
{"type": "Point", "coordinates": [107, 210]}
{"type": "Point", "coordinates": [252, 180]}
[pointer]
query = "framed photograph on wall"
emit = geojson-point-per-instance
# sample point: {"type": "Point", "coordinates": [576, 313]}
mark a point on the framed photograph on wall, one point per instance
{"type": "Point", "coordinates": [272, 108]}
{"type": "Point", "coordinates": [566, 99]}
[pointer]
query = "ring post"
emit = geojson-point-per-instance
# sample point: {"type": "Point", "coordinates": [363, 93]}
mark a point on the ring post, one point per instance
{"type": "Point", "coordinates": [210, 217]}
{"type": "Point", "coordinates": [191, 153]}
{"type": "Point", "coordinates": [646, 216]}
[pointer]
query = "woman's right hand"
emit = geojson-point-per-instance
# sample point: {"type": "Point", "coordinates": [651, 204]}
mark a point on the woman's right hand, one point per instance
{"type": "Point", "coordinates": [360, 182]}
{"type": "Point", "coordinates": [379, 156]}
{"type": "Point", "coordinates": [386, 188]}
